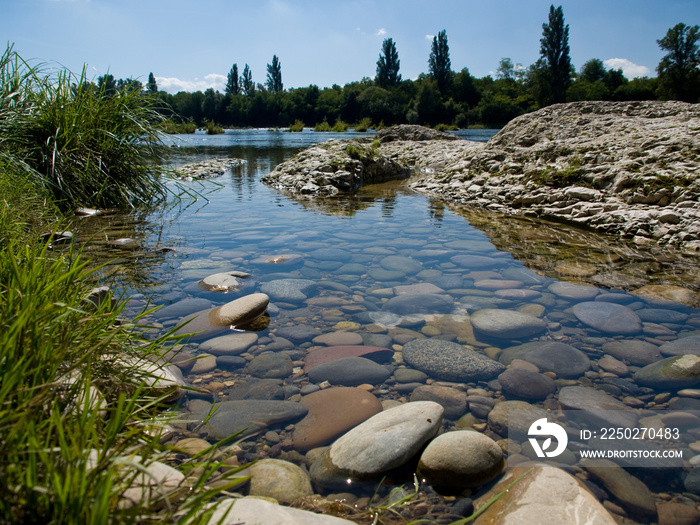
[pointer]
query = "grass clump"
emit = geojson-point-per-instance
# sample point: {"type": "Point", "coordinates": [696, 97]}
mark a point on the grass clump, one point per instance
{"type": "Point", "coordinates": [298, 126]}
{"type": "Point", "coordinates": [87, 146]}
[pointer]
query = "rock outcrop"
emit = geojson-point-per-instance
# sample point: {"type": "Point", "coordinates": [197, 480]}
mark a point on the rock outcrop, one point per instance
{"type": "Point", "coordinates": [624, 168]}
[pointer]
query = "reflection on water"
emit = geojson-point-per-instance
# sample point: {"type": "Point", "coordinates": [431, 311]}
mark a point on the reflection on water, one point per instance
{"type": "Point", "coordinates": [356, 256]}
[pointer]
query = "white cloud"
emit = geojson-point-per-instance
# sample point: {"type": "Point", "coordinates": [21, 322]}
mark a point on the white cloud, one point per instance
{"type": "Point", "coordinates": [629, 68]}
{"type": "Point", "coordinates": [429, 37]}
{"type": "Point", "coordinates": [381, 32]}
{"type": "Point", "coordinates": [173, 84]}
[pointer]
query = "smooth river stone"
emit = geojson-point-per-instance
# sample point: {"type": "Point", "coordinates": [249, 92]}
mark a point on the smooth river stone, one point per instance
{"type": "Point", "coordinates": [677, 372]}
{"type": "Point", "coordinates": [477, 262]}
{"type": "Point", "coordinates": [289, 290]}
{"type": "Point", "coordinates": [419, 304]}
{"type": "Point", "coordinates": [543, 495]}
{"type": "Point", "coordinates": [682, 346]}
{"type": "Point", "coordinates": [338, 338]}
{"type": "Point", "coordinates": [526, 384]}
{"type": "Point", "coordinates": [512, 419]}
{"type": "Point", "coordinates": [332, 412]}
{"type": "Point", "coordinates": [609, 318]}
{"type": "Point", "coordinates": [420, 288]}
{"type": "Point", "coordinates": [397, 263]}
{"type": "Point", "coordinates": [597, 406]}
{"type": "Point", "coordinates": [331, 254]}
{"type": "Point", "coordinates": [573, 291]}
{"type": "Point", "coordinates": [550, 356]}
{"type": "Point", "coordinates": [664, 294]}
{"type": "Point", "coordinates": [383, 443]}
{"type": "Point", "coordinates": [281, 262]}
{"type": "Point", "coordinates": [454, 324]}
{"type": "Point", "coordinates": [182, 308]}
{"type": "Point", "coordinates": [514, 294]}
{"type": "Point", "coordinates": [450, 361]}
{"type": "Point", "coordinates": [634, 351]}
{"type": "Point", "coordinates": [271, 365]}
{"type": "Point", "coordinates": [222, 282]}
{"type": "Point", "coordinates": [250, 509]}
{"type": "Point", "coordinates": [278, 479]}
{"type": "Point", "coordinates": [349, 371]}
{"type": "Point", "coordinates": [661, 315]}
{"type": "Point", "coordinates": [461, 459]}
{"type": "Point", "coordinates": [629, 490]}
{"type": "Point", "coordinates": [255, 414]}
{"type": "Point", "coordinates": [497, 284]}
{"type": "Point", "coordinates": [452, 400]}
{"type": "Point", "coordinates": [231, 344]}
{"type": "Point", "coordinates": [506, 324]}
{"type": "Point", "coordinates": [319, 356]}
{"type": "Point", "coordinates": [239, 311]}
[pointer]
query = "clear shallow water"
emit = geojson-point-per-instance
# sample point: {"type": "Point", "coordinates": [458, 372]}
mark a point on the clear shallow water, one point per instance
{"type": "Point", "coordinates": [358, 249]}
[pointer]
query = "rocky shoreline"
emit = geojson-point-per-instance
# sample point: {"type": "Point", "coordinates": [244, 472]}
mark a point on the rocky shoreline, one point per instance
{"type": "Point", "coordinates": [627, 169]}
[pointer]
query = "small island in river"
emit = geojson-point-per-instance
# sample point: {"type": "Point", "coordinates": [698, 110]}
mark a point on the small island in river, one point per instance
{"type": "Point", "coordinates": [623, 168]}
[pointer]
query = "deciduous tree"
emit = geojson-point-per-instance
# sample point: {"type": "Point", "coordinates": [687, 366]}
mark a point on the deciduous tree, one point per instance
{"type": "Point", "coordinates": [679, 76]}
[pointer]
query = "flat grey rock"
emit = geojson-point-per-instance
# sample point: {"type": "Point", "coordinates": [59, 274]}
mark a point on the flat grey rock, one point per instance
{"type": "Point", "coordinates": [349, 371]}
{"type": "Point", "coordinates": [250, 416]}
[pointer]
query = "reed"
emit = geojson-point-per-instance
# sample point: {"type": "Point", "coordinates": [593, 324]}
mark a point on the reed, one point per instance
{"type": "Point", "coordinates": [82, 144]}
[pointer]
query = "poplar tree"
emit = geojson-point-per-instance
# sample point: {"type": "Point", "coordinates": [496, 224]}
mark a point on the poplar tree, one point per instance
{"type": "Point", "coordinates": [554, 48]}
{"type": "Point", "coordinates": [232, 85]}
{"type": "Point", "coordinates": [388, 65]}
{"type": "Point", "coordinates": [152, 87]}
{"type": "Point", "coordinates": [274, 75]}
{"type": "Point", "coordinates": [439, 61]}
{"type": "Point", "coordinates": [247, 81]}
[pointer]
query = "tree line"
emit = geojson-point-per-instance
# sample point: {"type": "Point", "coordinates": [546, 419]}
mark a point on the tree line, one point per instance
{"type": "Point", "coordinates": [441, 96]}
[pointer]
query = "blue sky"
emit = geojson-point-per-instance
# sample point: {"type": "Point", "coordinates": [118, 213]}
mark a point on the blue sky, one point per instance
{"type": "Point", "coordinates": [191, 45]}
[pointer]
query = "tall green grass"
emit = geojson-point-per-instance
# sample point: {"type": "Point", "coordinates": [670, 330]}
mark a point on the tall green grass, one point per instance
{"type": "Point", "coordinates": [84, 145]}
{"type": "Point", "coordinates": [78, 421]}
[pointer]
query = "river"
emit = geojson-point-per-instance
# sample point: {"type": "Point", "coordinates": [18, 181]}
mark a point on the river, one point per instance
{"type": "Point", "coordinates": [391, 266]}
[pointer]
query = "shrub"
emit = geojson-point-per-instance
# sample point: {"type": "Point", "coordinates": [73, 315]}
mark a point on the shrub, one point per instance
{"type": "Point", "coordinates": [172, 128]}
{"type": "Point", "coordinates": [363, 125]}
{"type": "Point", "coordinates": [340, 126]}
{"type": "Point", "coordinates": [214, 129]}
{"type": "Point", "coordinates": [297, 126]}
{"type": "Point", "coordinates": [322, 126]}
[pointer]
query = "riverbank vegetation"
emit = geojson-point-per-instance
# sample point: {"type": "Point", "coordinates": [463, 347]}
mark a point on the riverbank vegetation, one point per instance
{"type": "Point", "coordinates": [80, 426]}
{"type": "Point", "coordinates": [443, 95]}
